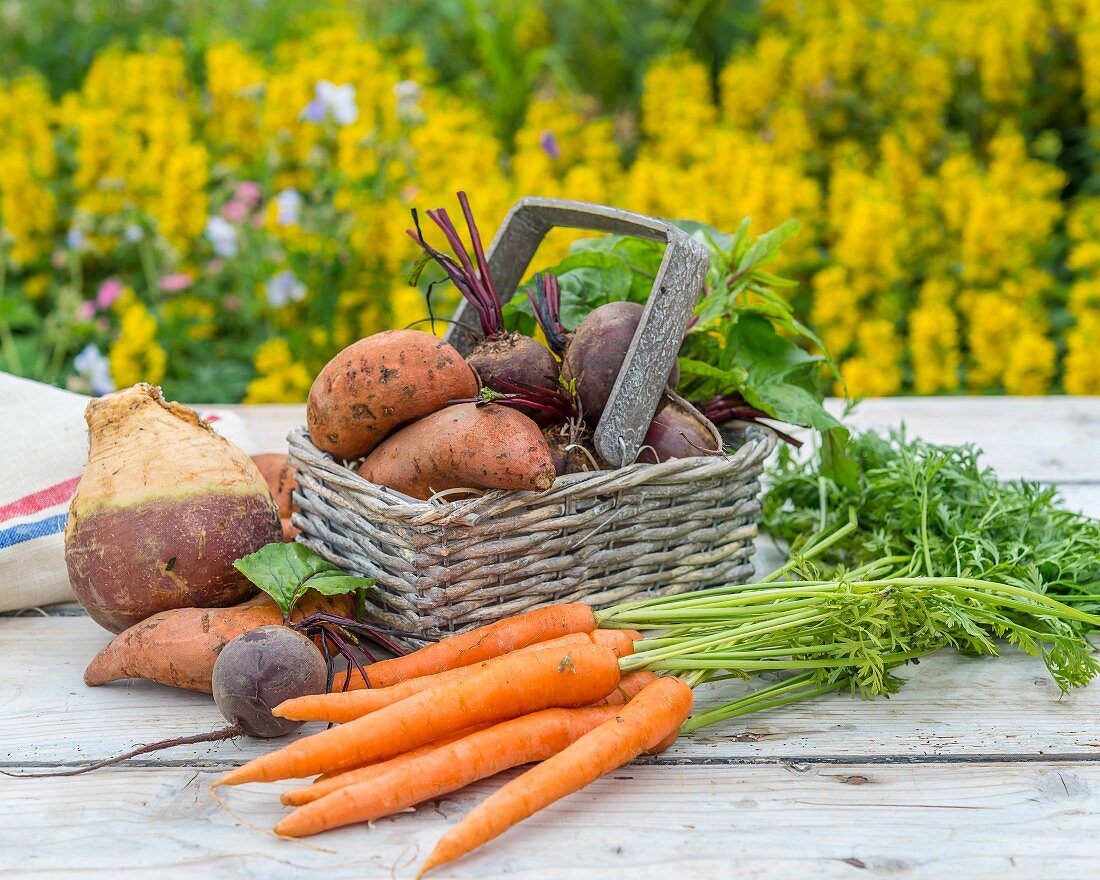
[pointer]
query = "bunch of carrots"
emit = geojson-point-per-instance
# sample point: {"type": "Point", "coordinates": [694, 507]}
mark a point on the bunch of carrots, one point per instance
{"type": "Point", "coordinates": [544, 686]}
{"type": "Point", "coordinates": [575, 691]}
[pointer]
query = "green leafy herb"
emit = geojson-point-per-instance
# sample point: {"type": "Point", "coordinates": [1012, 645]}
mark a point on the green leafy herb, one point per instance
{"type": "Point", "coordinates": [286, 572]}
{"type": "Point", "coordinates": [944, 513]}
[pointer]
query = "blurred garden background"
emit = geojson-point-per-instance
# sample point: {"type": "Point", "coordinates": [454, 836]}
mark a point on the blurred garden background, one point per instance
{"type": "Point", "coordinates": [214, 196]}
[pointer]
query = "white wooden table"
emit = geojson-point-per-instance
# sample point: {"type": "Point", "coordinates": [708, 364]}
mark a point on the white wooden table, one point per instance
{"type": "Point", "coordinates": [976, 769]}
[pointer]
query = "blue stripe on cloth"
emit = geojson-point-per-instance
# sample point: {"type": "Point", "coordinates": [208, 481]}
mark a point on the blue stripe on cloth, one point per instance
{"type": "Point", "coordinates": [29, 531]}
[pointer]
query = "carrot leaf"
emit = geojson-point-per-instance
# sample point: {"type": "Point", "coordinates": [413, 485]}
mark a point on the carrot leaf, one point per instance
{"type": "Point", "coordinates": [286, 572]}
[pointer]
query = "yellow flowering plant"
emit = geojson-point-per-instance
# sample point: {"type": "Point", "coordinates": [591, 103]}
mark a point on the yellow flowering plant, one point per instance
{"type": "Point", "coordinates": [250, 190]}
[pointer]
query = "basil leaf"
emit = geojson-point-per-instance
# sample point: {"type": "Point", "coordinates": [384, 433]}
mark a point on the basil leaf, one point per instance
{"type": "Point", "coordinates": [287, 571]}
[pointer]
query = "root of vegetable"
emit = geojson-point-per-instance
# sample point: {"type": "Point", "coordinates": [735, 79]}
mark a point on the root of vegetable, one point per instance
{"type": "Point", "coordinates": [179, 647]}
{"type": "Point", "coordinates": [379, 383]}
{"type": "Point", "coordinates": [262, 668]}
{"type": "Point", "coordinates": [509, 687]}
{"type": "Point", "coordinates": [446, 768]}
{"type": "Point", "coordinates": [596, 352]}
{"type": "Point", "coordinates": [164, 508]}
{"type": "Point", "coordinates": [475, 645]}
{"type": "Point", "coordinates": [678, 430]}
{"type": "Point", "coordinates": [652, 716]}
{"type": "Point", "coordinates": [343, 706]}
{"type": "Point", "coordinates": [463, 446]}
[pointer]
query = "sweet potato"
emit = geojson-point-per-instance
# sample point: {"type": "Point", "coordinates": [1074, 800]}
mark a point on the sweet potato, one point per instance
{"type": "Point", "coordinates": [179, 647]}
{"type": "Point", "coordinates": [378, 383]}
{"type": "Point", "coordinates": [467, 446]}
{"type": "Point", "coordinates": [281, 479]}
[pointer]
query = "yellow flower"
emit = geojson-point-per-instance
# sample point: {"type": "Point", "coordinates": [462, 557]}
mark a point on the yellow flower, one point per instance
{"type": "Point", "coordinates": [135, 356]}
{"type": "Point", "coordinates": [279, 379]}
{"type": "Point", "coordinates": [875, 371]}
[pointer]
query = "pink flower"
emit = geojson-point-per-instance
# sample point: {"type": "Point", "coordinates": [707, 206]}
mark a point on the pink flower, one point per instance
{"type": "Point", "coordinates": [86, 310]}
{"type": "Point", "coordinates": [232, 303]}
{"type": "Point", "coordinates": [236, 212]}
{"type": "Point", "coordinates": [109, 291]}
{"type": "Point", "coordinates": [249, 192]}
{"type": "Point", "coordinates": [175, 283]}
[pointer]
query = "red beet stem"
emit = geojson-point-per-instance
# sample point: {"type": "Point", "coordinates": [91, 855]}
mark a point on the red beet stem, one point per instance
{"type": "Point", "coordinates": [520, 394]}
{"type": "Point", "coordinates": [479, 251]}
{"type": "Point", "coordinates": [472, 282]}
{"type": "Point", "coordinates": [734, 406]}
{"type": "Point", "coordinates": [546, 303]}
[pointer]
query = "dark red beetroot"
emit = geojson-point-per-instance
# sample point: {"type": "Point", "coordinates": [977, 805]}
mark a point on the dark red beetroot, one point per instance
{"type": "Point", "coordinates": [501, 356]}
{"type": "Point", "coordinates": [678, 430]}
{"type": "Point", "coordinates": [593, 354]}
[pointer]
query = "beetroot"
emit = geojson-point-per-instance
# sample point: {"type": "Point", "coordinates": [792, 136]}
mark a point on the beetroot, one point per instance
{"type": "Point", "coordinates": [593, 354]}
{"type": "Point", "coordinates": [678, 430]}
{"type": "Point", "coordinates": [501, 356]}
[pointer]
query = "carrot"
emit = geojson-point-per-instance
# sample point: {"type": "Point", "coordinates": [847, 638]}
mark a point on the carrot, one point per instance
{"type": "Point", "coordinates": [482, 643]}
{"type": "Point", "coordinates": [642, 723]}
{"type": "Point", "coordinates": [630, 685]}
{"type": "Point", "coordinates": [344, 706]}
{"type": "Point", "coordinates": [330, 782]}
{"type": "Point", "coordinates": [508, 687]}
{"type": "Point", "coordinates": [533, 737]}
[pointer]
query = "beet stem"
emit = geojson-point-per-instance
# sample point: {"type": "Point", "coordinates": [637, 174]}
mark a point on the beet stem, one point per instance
{"type": "Point", "coordinates": [546, 303]}
{"type": "Point", "coordinates": [479, 251]}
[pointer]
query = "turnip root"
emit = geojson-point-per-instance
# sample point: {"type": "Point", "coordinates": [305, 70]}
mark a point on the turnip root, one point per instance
{"type": "Point", "coordinates": [376, 384]}
{"type": "Point", "coordinates": [467, 445]}
{"type": "Point", "coordinates": [179, 647]}
{"type": "Point", "coordinates": [262, 668]}
{"type": "Point", "coordinates": [595, 353]}
{"type": "Point", "coordinates": [164, 507]}
{"type": "Point", "coordinates": [678, 430]}
{"type": "Point", "coordinates": [501, 356]}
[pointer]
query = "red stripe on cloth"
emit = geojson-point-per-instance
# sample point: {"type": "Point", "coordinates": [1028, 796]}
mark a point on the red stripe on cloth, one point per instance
{"type": "Point", "coordinates": [39, 500]}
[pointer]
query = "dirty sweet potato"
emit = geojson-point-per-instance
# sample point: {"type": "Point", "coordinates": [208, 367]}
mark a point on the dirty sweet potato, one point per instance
{"type": "Point", "coordinates": [465, 445]}
{"type": "Point", "coordinates": [179, 647]}
{"type": "Point", "coordinates": [377, 384]}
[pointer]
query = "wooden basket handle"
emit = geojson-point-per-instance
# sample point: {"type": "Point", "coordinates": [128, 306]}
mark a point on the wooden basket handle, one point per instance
{"type": "Point", "coordinates": [652, 352]}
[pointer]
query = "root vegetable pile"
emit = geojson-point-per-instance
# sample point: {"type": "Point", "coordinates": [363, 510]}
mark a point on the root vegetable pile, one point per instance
{"type": "Point", "coordinates": [547, 688]}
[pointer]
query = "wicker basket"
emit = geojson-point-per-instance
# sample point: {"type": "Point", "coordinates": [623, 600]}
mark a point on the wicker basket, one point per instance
{"type": "Point", "coordinates": [600, 537]}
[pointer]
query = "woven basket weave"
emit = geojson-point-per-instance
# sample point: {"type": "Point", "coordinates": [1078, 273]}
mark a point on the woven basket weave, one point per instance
{"type": "Point", "coordinates": [601, 538]}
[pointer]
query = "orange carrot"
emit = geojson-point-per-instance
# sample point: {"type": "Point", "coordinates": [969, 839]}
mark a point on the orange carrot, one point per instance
{"type": "Point", "coordinates": [630, 685]}
{"type": "Point", "coordinates": [330, 782]}
{"type": "Point", "coordinates": [344, 706]}
{"type": "Point", "coordinates": [642, 723]}
{"type": "Point", "coordinates": [533, 737]}
{"type": "Point", "coordinates": [507, 688]}
{"type": "Point", "coordinates": [479, 644]}
{"type": "Point", "coordinates": [415, 685]}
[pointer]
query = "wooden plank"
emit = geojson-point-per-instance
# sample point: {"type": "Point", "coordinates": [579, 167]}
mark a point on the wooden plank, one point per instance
{"type": "Point", "coordinates": [953, 706]}
{"type": "Point", "coordinates": [1052, 439]}
{"type": "Point", "coordinates": [709, 823]}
